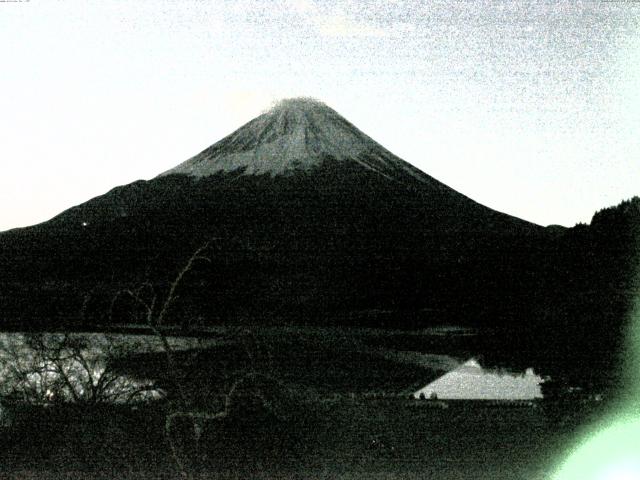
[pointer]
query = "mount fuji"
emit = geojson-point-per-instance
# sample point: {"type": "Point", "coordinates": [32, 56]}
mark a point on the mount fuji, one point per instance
{"type": "Point", "coordinates": [308, 220]}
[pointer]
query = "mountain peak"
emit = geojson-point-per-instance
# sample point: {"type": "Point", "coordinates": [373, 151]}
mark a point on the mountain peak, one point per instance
{"type": "Point", "coordinates": [299, 104]}
{"type": "Point", "coordinates": [295, 134]}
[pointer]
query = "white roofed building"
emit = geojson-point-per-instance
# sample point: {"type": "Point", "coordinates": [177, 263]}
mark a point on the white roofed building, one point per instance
{"type": "Point", "coordinates": [471, 382]}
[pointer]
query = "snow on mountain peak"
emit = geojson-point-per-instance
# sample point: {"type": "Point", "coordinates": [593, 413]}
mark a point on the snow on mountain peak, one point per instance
{"type": "Point", "coordinates": [298, 104]}
{"type": "Point", "coordinates": [295, 134]}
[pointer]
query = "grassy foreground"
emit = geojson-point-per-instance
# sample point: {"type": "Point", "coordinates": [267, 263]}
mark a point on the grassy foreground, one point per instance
{"type": "Point", "coordinates": [348, 438]}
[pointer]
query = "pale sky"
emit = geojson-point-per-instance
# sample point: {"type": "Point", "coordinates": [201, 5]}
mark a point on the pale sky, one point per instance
{"type": "Point", "coordinates": [531, 108]}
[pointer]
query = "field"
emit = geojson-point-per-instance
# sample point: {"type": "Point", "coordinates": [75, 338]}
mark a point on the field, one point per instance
{"type": "Point", "coordinates": [344, 439]}
{"type": "Point", "coordinates": [312, 403]}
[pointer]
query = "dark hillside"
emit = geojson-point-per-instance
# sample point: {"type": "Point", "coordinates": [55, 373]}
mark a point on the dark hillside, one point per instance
{"type": "Point", "coordinates": [590, 282]}
{"type": "Point", "coordinates": [307, 248]}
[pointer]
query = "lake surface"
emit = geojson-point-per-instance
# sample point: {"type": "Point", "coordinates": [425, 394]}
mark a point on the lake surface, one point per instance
{"type": "Point", "coordinates": [87, 367]}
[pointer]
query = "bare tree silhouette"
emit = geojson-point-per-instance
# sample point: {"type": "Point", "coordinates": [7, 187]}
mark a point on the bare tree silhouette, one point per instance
{"type": "Point", "coordinates": [62, 368]}
{"type": "Point", "coordinates": [157, 309]}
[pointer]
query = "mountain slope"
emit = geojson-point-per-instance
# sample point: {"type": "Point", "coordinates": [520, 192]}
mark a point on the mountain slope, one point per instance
{"type": "Point", "coordinates": [309, 220]}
